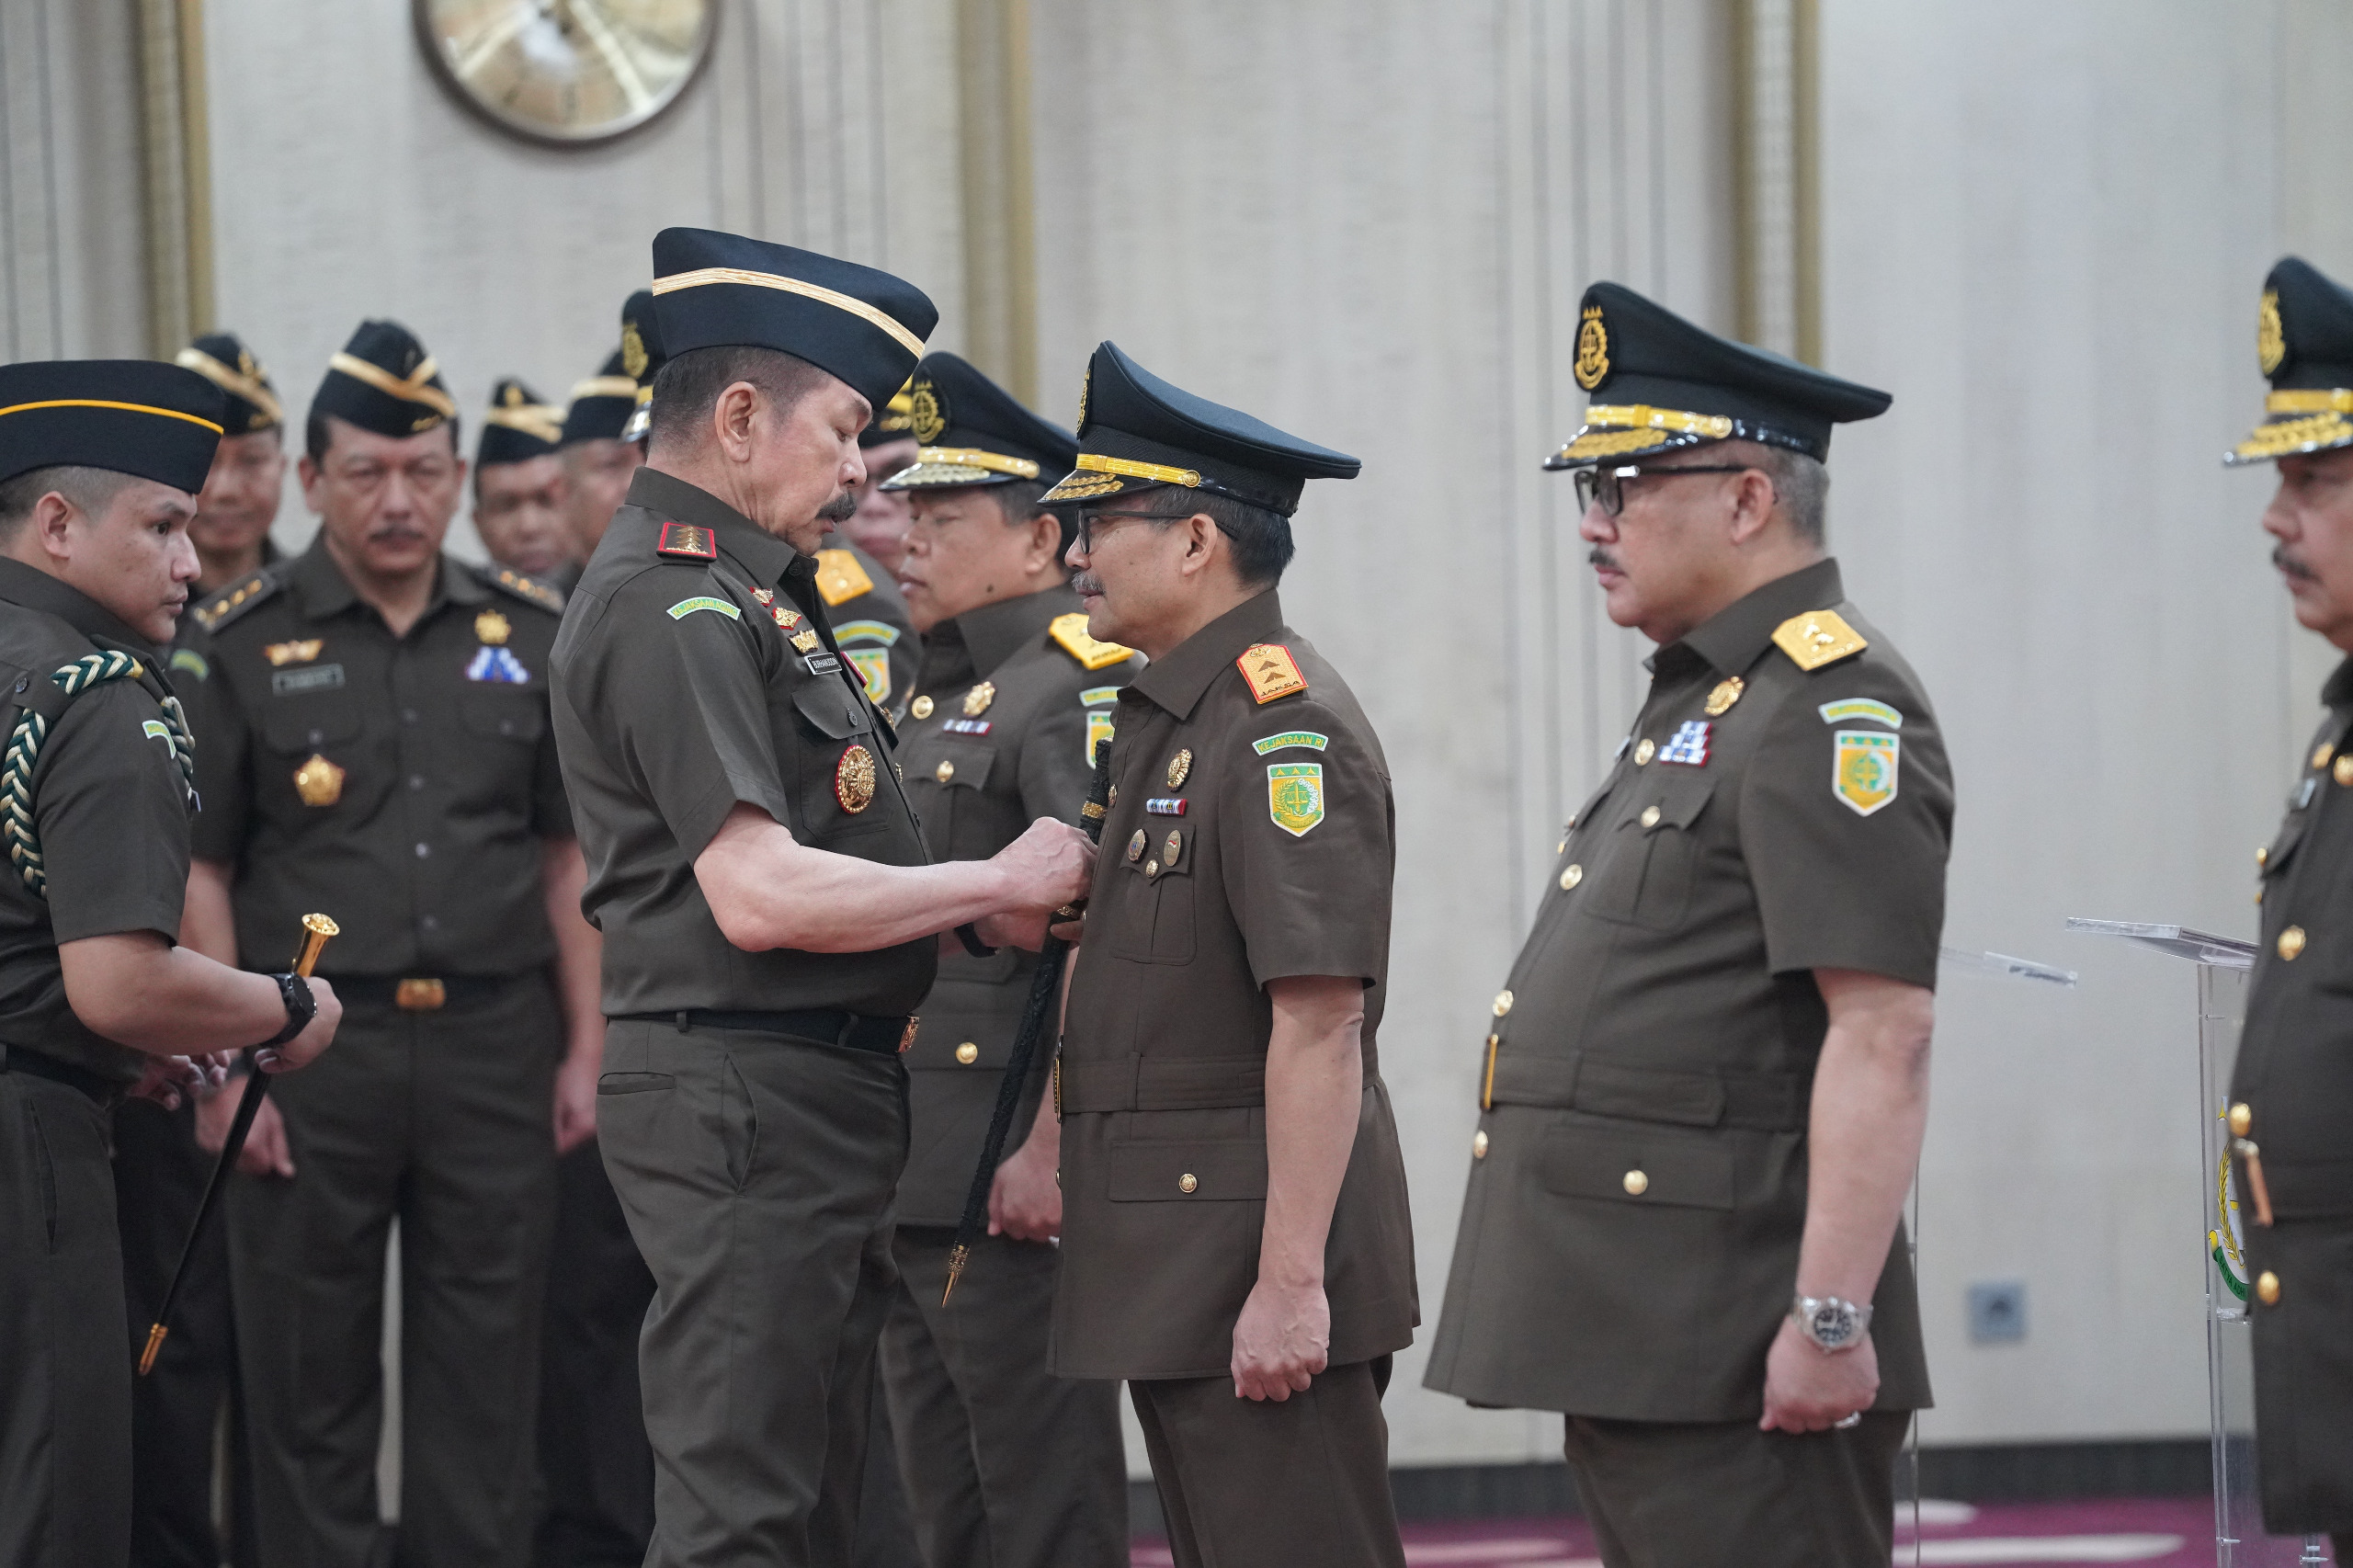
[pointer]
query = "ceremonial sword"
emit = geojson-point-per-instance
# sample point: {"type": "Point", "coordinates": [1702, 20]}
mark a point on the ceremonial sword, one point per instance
{"type": "Point", "coordinates": [1043, 985]}
{"type": "Point", "coordinates": [317, 929]}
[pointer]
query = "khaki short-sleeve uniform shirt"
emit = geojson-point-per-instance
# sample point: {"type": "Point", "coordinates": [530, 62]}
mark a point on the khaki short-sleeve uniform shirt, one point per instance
{"type": "Point", "coordinates": [1011, 703]}
{"type": "Point", "coordinates": [1252, 837]}
{"type": "Point", "coordinates": [1629, 1243]}
{"type": "Point", "coordinates": [696, 671]}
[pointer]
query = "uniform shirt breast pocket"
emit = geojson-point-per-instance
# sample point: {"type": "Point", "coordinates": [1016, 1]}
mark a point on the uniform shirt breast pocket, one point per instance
{"type": "Point", "coordinates": [315, 759]}
{"type": "Point", "coordinates": [956, 821]}
{"type": "Point", "coordinates": [836, 760]}
{"type": "Point", "coordinates": [510, 715]}
{"type": "Point", "coordinates": [1649, 854]}
{"type": "Point", "coordinates": [1159, 925]}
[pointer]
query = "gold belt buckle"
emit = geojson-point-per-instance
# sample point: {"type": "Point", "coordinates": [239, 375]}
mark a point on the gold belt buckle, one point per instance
{"type": "Point", "coordinates": [420, 996]}
{"type": "Point", "coordinates": [907, 1035]}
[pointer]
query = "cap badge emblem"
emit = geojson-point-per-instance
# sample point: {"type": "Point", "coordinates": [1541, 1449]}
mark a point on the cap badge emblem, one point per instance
{"type": "Point", "coordinates": [977, 700]}
{"type": "Point", "coordinates": [1179, 767]}
{"type": "Point", "coordinates": [633, 355]}
{"type": "Point", "coordinates": [927, 414]}
{"type": "Point", "coordinates": [2271, 339]}
{"type": "Point", "coordinates": [493, 629]}
{"type": "Point", "coordinates": [1085, 385]}
{"type": "Point", "coordinates": [1593, 350]}
{"type": "Point", "coordinates": [854, 779]}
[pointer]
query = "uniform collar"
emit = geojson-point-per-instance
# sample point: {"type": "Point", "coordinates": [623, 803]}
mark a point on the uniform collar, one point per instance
{"type": "Point", "coordinates": [324, 591]}
{"type": "Point", "coordinates": [36, 589]}
{"type": "Point", "coordinates": [1176, 682]}
{"type": "Point", "coordinates": [2336, 695]}
{"type": "Point", "coordinates": [1736, 636]}
{"type": "Point", "coordinates": [767, 557]}
{"type": "Point", "coordinates": [995, 632]}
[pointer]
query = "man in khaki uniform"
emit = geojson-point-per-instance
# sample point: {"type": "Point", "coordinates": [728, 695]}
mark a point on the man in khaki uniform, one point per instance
{"type": "Point", "coordinates": [1005, 1463]}
{"type": "Point", "coordinates": [2291, 1089]}
{"type": "Point", "coordinates": [1236, 1242]}
{"type": "Point", "coordinates": [1705, 1082]}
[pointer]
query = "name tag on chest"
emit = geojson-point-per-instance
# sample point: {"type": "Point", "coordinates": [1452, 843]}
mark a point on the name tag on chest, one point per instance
{"type": "Point", "coordinates": [293, 683]}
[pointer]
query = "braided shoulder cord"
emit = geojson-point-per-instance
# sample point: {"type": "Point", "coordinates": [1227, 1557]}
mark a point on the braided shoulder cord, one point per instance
{"type": "Point", "coordinates": [24, 756]}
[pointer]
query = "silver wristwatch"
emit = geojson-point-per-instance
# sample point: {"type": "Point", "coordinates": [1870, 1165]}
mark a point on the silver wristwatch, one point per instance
{"type": "Point", "coordinates": [1833, 1325]}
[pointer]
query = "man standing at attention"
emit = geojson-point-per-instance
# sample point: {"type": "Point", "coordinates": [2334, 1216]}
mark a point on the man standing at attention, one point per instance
{"type": "Point", "coordinates": [376, 744]}
{"type": "Point", "coordinates": [247, 479]}
{"type": "Point", "coordinates": [1705, 1083]}
{"type": "Point", "coordinates": [598, 458]}
{"type": "Point", "coordinates": [519, 487]}
{"type": "Point", "coordinates": [2291, 1089]}
{"type": "Point", "coordinates": [1235, 1237]}
{"type": "Point", "coordinates": [1005, 1463]}
{"type": "Point", "coordinates": [769, 917]}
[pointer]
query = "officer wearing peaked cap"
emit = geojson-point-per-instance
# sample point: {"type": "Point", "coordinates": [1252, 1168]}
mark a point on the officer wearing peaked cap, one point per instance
{"type": "Point", "coordinates": [248, 475]}
{"type": "Point", "coordinates": [1235, 1237]}
{"type": "Point", "coordinates": [99, 465]}
{"type": "Point", "coordinates": [1003, 1462]}
{"type": "Point", "coordinates": [770, 913]}
{"type": "Point", "coordinates": [519, 486]}
{"type": "Point", "coordinates": [1703, 1087]}
{"type": "Point", "coordinates": [376, 745]}
{"type": "Point", "coordinates": [2291, 1088]}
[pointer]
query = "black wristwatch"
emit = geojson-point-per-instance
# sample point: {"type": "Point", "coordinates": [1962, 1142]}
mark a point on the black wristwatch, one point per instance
{"type": "Point", "coordinates": [301, 1007]}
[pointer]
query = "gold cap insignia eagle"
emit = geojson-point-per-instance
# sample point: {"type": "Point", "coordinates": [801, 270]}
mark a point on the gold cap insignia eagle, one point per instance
{"type": "Point", "coordinates": [1818, 638]}
{"type": "Point", "coordinates": [1593, 350]}
{"type": "Point", "coordinates": [633, 355]}
{"type": "Point", "coordinates": [927, 411]}
{"type": "Point", "coordinates": [2270, 338]}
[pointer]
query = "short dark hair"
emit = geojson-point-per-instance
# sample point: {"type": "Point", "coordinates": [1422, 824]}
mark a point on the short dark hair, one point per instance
{"type": "Point", "coordinates": [687, 386]}
{"type": "Point", "coordinates": [1018, 501]}
{"type": "Point", "coordinates": [88, 488]}
{"type": "Point", "coordinates": [1259, 535]}
{"type": "Point", "coordinates": [318, 436]}
{"type": "Point", "coordinates": [1801, 484]}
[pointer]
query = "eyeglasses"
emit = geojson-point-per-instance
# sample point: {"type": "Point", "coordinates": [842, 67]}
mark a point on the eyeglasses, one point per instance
{"type": "Point", "coordinates": [1608, 485]}
{"type": "Point", "coordinates": [1087, 522]}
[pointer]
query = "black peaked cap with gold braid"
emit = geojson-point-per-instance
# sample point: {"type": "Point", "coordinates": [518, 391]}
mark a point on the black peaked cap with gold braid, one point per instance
{"type": "Point", "coordinates": [973, 432]}
{"type": "Point", "coordinates": [1137, 432]}
{"type": "Point", "coordinates": [894, 421]}
{"type": "Point", "coordinates": [2304, 344]}
{"type": "Point", "coordinates": [384, 381]}
{"type": "Point", "coordinates": [228, 363]}
{"type": "Point", "coordinates": [601, 405]}
{"type": "Point", "coordinates": [712, 290]}
{"type": "Point", "coordinates": [517, 427]}
{"type": "Point", "coordinates": [1659, 383]}
{"type": "Point", "coordinates": [136, 416]}
{"type": "Point", "coordinates": [642, 356]}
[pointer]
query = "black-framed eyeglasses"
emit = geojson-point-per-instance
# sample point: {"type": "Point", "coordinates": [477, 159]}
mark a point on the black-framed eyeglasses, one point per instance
{"type": "Point", "coordinates": [1608, 485]}
{"type": "Point", "coordinates": [1087, 522]}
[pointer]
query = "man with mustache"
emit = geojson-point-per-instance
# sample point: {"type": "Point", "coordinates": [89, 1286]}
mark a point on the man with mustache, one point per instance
{"type": "Point", "coordinates": [1704, 1084]}
{"type": "Point", "coordinates": [768, 910]}
{"type": "Point", "coordinates": [99, 463]}
{"type": "Point", "coordinates": [2292, 1088]}
{"type": "Point", "coordinates": [376, 745]}
{"type": "Point", "coordinates": [1003, 1462]}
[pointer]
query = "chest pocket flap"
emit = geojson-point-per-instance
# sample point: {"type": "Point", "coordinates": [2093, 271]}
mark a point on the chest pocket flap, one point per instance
{"type": "Point", "coordinates": [2282, 849]}
{"type": "Point", "coordinates": [1649, 854]}
{"type": "Point", "coordinates": [311, 720]}
{"type": "Point", "coordinates": [503, 715]}
{"type": "Point", "coordinates": [826, 704]}
{"type": "Point", "coordinates": [967, 768]}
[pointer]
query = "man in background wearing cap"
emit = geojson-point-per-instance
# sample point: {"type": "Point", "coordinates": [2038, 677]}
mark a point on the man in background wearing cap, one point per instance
{"type": "Point", "coordinates": [1003, 1462]}
{"type": "Point", "coordinates": [2291, 1089]}
{"type": "Point", "coordinates": [376, 744]}
{"type": "Point", "coordinates": [598, 458]}
{"type": "Point", "coordinates": [1235, 1237]}
{"type": "Point", "coordinates": [247, 479]}
{"type": "Point", "coordinates": [1704, 1086]}
{"type": "Point", "coordinates": [518, 478]}
{"type": "Point", "coordinates": [99, 466]}
{"type": "Point", "coordinates": [769, 915]}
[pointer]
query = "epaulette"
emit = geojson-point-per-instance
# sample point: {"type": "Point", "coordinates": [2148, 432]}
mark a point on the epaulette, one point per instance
{"type": "Point", "coordinates": [1817, 638]}
{"type": "Point", "coordinates": [687, 541]}
{"type": "Point", "coordinates": [840, 576]}
{"type": "Point", "coordinates": [1070, 630]}
{"type": "Point", "coordinates": [238, 600]}
{"type": "Point", "coordinates": [530, 590]}
{"type": "Point", "coordinates": [1271, 672]}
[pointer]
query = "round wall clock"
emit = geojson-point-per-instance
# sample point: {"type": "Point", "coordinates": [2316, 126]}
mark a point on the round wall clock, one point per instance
{"type": "Point", "coordinates": [569, 73]}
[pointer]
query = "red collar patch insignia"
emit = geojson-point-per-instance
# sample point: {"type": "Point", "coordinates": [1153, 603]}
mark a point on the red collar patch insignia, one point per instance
{"type": "Point", "coordinates": [687, 541]}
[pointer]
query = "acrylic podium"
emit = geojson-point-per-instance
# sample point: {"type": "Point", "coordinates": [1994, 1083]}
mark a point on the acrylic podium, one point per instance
{"type": "Point", "coordinates": [2224, 966]}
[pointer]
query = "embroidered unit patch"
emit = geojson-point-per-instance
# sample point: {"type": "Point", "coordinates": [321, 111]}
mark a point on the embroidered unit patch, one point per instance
{"type": "Point", "coordinates": [1864, 774]}
{"type": "Point", "coordinates": [1860, 707]}
{"type": "Point", "coordinates": [1689, 746]}
{"type": "Point", "coordinates": [1094, 696]}
{"type": "Point", "coordinates": [499, 666]}
{"type": "Point", "coordinates": [865, 632]}
{"type": "Point", "coordinates": [188, 661]}
{"type": "Point", "coordinates": [1099, 724]}
{"type": "Point", "coordinates": [686, 608]}
{"type": "Point", "coordinates": [1295, 795]}
{"type": "Point", "coordinates": [1308, 739]}
{"type": "Point", "coordinates": [873, 671]}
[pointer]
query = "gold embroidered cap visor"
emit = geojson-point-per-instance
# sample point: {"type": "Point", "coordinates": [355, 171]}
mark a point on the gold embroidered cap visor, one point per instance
{"type": "Point", "coordinates": [862, 325]}
{"type": "Point", "coordinates": [2308, 420]}
{"type": "Point", "coordinates": [942, 467]}
{"type": "Point", "coordinates": [136, 416]}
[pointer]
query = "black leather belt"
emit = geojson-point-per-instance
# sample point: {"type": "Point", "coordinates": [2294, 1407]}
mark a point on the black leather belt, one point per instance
{"type": "Point", "coordinates": [418, 993]}
{"type": "Point", "coordinates": [34, 1064]}
{"type": "Point", "coordinates": [826, 1026]}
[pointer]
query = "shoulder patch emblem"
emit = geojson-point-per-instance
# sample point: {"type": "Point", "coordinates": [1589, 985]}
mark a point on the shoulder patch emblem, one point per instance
{"type": "Point", "coordinates": [1860, 707]}
{"type": "Point", "coordinates": [1295, 795]}
{"type": "Point", "coordinates": [865, 632]}
{"type": "Point", "coordinates": [1271, 672]}
{"type": "Point", "coordinates": [1096, 695]}
{"type": "Point", "coordinates": [529, 590]}
{"type": "Point", "coordinates": [1817, 638]}
{"type": "Point", "coordinates": [1101, 724]}
{"type": "Point", "coordinates": [840, 576]}
{"type": "Point", "coordinates": [1070, 632]}
{"type": "Point", "coordinates": [873, 666]}
{"type": "Point", "coordinates": [686, 608]}
{"type": "Point", "coordinates": [686, 542]}
{"type": "Point", "coordinates": [1306, 738]}
{"type": "Point", "coordinates": [1863, 773]}
{"type": "Point", "coordinates": [188, 661]}
{"type": "Point", "coordinates": [233, 602]}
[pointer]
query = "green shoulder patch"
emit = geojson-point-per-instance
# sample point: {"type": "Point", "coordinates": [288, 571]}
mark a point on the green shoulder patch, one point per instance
{"type": "Point", "coordinates": [238, 600]}
{"type": "Point", "coordinates": [867, 632]}
{"type": "Point", "coordinates": [188, 661]}
{"type": "Point", "coordinates": [686, 608]}
{"type": "Point", "coordinates": [1095, 696]}
{"type": "Point", "coordinates": [1306, 738]}
{"type": "Point", "coordinates": [1860, 707]}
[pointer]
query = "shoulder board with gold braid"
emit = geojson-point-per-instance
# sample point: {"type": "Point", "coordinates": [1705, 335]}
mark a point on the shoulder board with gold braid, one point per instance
{"type": "Point", "coordinates": [1070, 631]}
{"type": "Point", "coordinates": [530, 590]}
{"type": "Point", "coordinates": [840, 578]}
{"type": "Point", "coordinates": [237, 599]}
{"type": "Point", "coordinates": [1818, 638]}
{"type": "Point", "coordinates": [1271, 672]}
